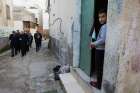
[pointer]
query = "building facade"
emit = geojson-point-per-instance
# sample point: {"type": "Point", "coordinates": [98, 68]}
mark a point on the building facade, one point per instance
{"type": "Point", "coordinates": [6, 21]}
{"type": "Point", "coordinates": [24, 19]}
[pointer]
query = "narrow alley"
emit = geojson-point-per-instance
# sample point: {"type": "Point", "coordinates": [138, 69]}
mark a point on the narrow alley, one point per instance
{"type": "Point", "coordinates": [30, 74]}
{"type": "Point", "coordinates": [69, 46]}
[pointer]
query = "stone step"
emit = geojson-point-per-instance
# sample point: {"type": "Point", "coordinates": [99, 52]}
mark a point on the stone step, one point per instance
{"type": "Point", "coordinates": [70, 84]}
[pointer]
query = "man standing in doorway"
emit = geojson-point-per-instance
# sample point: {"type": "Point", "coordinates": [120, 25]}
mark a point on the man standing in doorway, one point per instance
{"type": "Point", "coordinates": [99, 44]}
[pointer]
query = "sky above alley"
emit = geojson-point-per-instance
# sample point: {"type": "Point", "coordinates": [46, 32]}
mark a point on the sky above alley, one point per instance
{"type": "Point", "coordinates": [30, 3]}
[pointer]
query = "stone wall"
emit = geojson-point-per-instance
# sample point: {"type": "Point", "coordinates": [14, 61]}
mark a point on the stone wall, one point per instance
{"type": "Point", "coordinates": [122, 62]}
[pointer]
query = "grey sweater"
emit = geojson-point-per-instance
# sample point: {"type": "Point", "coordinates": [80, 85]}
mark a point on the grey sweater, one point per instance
{"type": "Point", "coordinates": [100, 42]}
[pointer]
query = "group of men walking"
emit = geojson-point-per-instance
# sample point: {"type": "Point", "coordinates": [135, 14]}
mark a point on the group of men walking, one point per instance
{"type": "Point", "coordinates": [21, 42]}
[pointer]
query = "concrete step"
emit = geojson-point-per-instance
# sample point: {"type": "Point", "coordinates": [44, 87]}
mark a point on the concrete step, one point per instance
{"type": "Point", "coordinates": [70, 84]}
{"type": "Point", "coordinates": [83, 80]}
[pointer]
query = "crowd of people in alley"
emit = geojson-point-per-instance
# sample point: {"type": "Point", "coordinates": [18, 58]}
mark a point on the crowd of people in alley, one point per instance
{"type": "Point", "coordinates": [21, 42]}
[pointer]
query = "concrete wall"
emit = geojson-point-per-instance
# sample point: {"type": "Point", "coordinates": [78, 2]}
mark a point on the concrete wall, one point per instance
{"type": "Point", "coordinates": [65, 29]}
{"type": "Point", "coordinates": [6, 24]}
{"type": "Point", "coordinates": [18, 25]}
{"type": "Point", "coordinates": [122, 62]}
{"type": "Point", "coordinates": [3, 42]}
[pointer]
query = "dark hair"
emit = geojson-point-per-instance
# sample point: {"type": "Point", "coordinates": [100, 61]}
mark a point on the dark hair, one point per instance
{"type": "Point", "coordinates": [102, 11]}
{"type": "Point", "coordinates": [13, 32]}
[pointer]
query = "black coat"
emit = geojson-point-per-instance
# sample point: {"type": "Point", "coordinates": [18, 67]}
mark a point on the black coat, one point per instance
{"type": "Point", "coordinates": [12, 39]}
{"type": "Point", "coordinates": [38, 37]}
{"type": "Point", "coordinates": [23, 40]}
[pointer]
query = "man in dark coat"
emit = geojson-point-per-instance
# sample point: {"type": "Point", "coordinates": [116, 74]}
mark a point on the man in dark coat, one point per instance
{"type": "Point", "coordinates": [38, 40]}
{"type": "Point", "coordinates": [12, 39]}
{"type": "Point", "coordinates": [17, 48]}
{"type": "Point", "coordinates": [28, 41]}
{"type": "Point", "coordinates": [23, 43]}
{"type": "Point", "coordinates": [30, 37]}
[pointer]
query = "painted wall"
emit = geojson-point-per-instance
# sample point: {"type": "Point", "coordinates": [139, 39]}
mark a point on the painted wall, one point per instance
{"type": "Point", "coordinates": [122, 62]}
{"type": "Point", "coordinates": [65, 28]}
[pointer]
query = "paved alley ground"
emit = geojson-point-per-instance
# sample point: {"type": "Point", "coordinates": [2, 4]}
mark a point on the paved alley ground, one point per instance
{"type": "Point", "coordinates": [30, 74]}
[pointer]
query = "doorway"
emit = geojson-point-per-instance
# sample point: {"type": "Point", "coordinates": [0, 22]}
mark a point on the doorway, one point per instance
{"type": "Point", "coordinates": [99, 5]}
{"type": "Point", "coordinates": [89, 19]}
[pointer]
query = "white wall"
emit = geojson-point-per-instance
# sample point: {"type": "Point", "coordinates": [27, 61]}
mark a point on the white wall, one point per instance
{"type": "Point", "coordinates": [18, 25]}
{"type": "Point", "coordinates": [68, 11]}
{"type": "Point", "coordinates": [45, 21]}
{"type": "Point", "coordinates": [3, 16]}
{"type": "Point", "coordinates": [28, 3]}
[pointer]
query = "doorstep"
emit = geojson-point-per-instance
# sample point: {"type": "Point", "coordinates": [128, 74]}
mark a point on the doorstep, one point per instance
{"type": "Point", "coordinates": [84, 80]}
{"type": "Point", "coordinates": [70, 84]}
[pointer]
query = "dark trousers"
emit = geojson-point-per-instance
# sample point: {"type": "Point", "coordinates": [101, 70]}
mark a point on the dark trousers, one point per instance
{"type": "Point", "coordinates": [93, 66]}
{"type": "Point", "coordinates": [99, 61]}
{"type": "Point", "coordinates": [27, 48]}
{"type": "Point", "coordinates": [38, 46]}
{"type": "Point", "coordinates": [17, 49]}
{"type": "Point", "coordinates": [23, 50]}
{"type": "Point", "coordinates": [12, 51]}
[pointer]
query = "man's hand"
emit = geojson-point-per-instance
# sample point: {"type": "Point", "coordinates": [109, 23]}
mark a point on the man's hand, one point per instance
{"type": "Point", "coordinates": [92, 45]}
